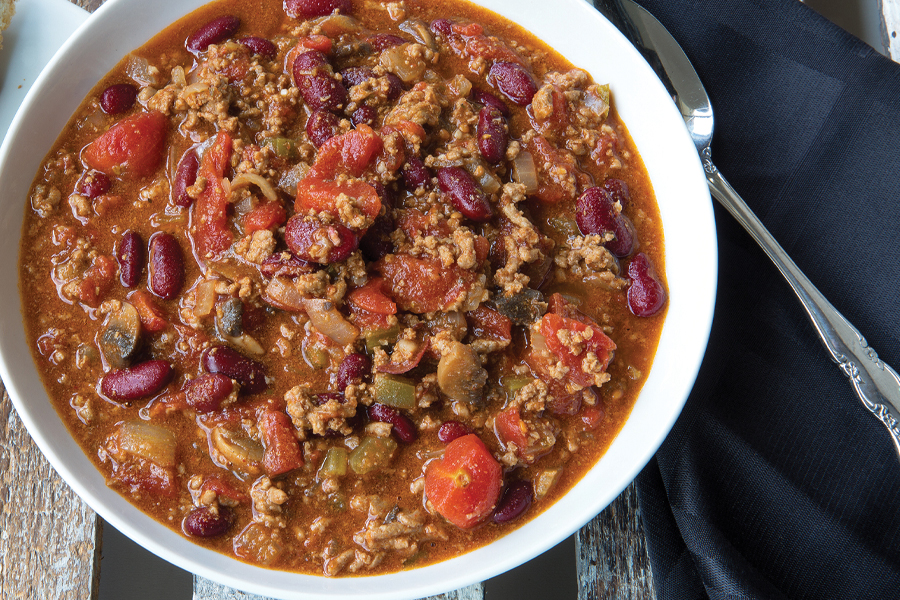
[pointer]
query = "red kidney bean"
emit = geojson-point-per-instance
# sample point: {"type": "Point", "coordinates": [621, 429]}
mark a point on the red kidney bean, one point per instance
{"type": "Point", "coordinates": [516, 499]}
{"type": "Point", "coordinates": [450, 430]}
{"type": "Point", "coordinates": [207, 392]}
{"type": "Point", "coordinates": [321, 399]}
{"type": "Point", "coordinates": [166, 275]}
{"type": "Point", "coordinates": [386, 194]}
{"type": "Point", "coordinates": [118, 98]}
{"type": "Point", "coordinates": [395, 87]}
{"type": "Point", "coordinates": [352, 370]}
{"type": "Point", "coordinates": [442, 26]}
{"type": "Point", "coordinates": [246, 371]}
{"type": "Point", "coordinates": [376, 243]}
{"type": "Point", "coordinates": [403, 428]}
{"type": "Point", "coordinates": [185, 177]}
{"type": "Point", "coordinates": [488, 99]}
{"type": "Point", "coordinates": [618, 192]}
{"type": "Point", "coordinates": [306, 63]}
{"type": "Point", "coordinates": [306, 9]}
{"type": "Point", "coordinates": [140, 381]}
{"type": "Point", "coordinates": [365, 114]}
{"type": "Point", "coordinates": [131, 256]}
{"type": "Point", "coordinates": [93, 184]}
{"type": "Point", "coordinates": [415, 173]}
{"type": "Point", "coordinates": [284, 264]}
{"type": "Point", "coordinates": [595, 214]}
{"type": "Point", "coordinates": [308, 237]}
{"type": "Point", "coordinates": [646, 295]}
{"type": "Point", "coordinates": [493, 135]}
{"type": "Point", "coordinates": [321, 126]}
{"type": "Point", "coordinates": [381, 41]}
{"type": "Point", "coordinates": [203, 522]}
{"type": "Point", "coordinates": [465, 195]}
{"type": "Point", "coordinates": [513, 81]}
{"type": "Point", "coordinates": [260, 46]}
{"type": "Point", "coordinates": [321, 91]}
{"type": "Point", "coordinates": [356, 75]}
{"type": "Point", "coordinates": [216, 31]}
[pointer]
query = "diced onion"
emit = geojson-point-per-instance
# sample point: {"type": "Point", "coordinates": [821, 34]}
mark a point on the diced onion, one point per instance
{"type": "Point", "coordinates": [489, 183]}
{"type": "Point", "coordinates": [204, 298]}
{"type": "Point", "coordinates": [147, 441]}
{"type": "Point", "coordinates": [196, 88]}
{"type": "Point", "coordinates": [290, 179]}
{"type": "Point", "coordinates": [246, 179]}
{"type": "Point", "coordinates": [282, 293]}
{"type": "Point", "coordinates": [178, 76]}
{"type": "Point", "coordinates": [138, 69]}
{"type": "Point", "coordinates": [246, 343]}
{"type": "Point", "coordinates": [237, 448]}
{"type": "Point", "coordinates": [525, 172]}
{"type": "Point", "coordinates": [330, 322]}
{"type": "Point", "coordinates": [335, 25]}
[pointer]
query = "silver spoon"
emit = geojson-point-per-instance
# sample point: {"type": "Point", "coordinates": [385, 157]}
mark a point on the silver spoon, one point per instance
{"type": "Point", "coordinates": [876, 383]}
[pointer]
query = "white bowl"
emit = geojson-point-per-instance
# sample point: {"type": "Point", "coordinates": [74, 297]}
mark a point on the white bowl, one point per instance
{"type": "Point", "coordinates": [578, 32]}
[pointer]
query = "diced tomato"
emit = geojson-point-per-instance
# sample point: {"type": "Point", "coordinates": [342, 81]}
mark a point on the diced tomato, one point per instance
{"type": "Point", "coordinates": [510, 428]}
{"type": "Point", "coordinates": [411, 131]}
{"type": "Point", "coordinates": [322, 43]}
{"type": "Point", "coordinates": [135, 144]}
{"type": "Point", "coordinates": [97, 281]}
{"type": "Point", "coordinates": [319, 195]}
{"type": "Point", "coordinates": [591, 416]}
{"type": "Point", "coordinates": [282, 450]}
{"type": "Point", "coordinates": [105, 203]}
{"type": "Point", "coordinates": [423, 285]}
{"type": "Point", "coordinates": [398, 368]}
{"type": "Point", "coordinates": [550, 186]}
{"type": "Point", "coordinates": [266, 215]}
{"type": "Point", "coordinates": [348, 154]}
{"type": "Point", "coordinates": [465, 484]}
{"type": "Point", "coordinates": [558, 305]}
{"type": "Point", "coordinates": [147, 476]}
{"type": "Point", "coordinates": [209, 214]}
{"type": "Point", "coordinates": [599, 343]}
{"type": "Point", "coordinates": [152, 318]}
{"type": "Point", "coordinates": [555, 124]}
{"type": "Point", "coordinates": [223, 489]}
{"type": "Point", "coordinates": [371, 298]}
{"type": "Point", "coordinates": [369, 321]}
{"type": "Point", "coordinates": [482, 248]}
{"type": "Point", "coordinates": [415, 223]}
{"type": "Point", "coordinates": [487, 323]}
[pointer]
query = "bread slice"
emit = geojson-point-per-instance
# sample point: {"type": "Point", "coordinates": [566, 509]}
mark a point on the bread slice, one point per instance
{"type": "Point", "coordinates": [7, 10]}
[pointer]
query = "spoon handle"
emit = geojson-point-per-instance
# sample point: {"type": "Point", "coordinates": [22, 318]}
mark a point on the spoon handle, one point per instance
{"type": "Point", "coordinates": [876, 383]}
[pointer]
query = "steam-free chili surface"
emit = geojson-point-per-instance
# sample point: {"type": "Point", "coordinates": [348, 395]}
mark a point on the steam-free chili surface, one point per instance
{"type": "Point", "coordinates": [343, 293]}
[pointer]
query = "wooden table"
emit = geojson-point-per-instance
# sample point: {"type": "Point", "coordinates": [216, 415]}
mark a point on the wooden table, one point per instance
{"type": "Point", "coordinates": [50, 540]}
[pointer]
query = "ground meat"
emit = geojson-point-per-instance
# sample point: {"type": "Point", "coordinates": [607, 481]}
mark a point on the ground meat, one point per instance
{"type": "Point", "coordinates": [309, 413]}
{"type": "Point", "coordinates": [257, 247]}
{"type": "Point", "coordinates": [45, 199]}
{"type": "Point", "coordinates": [586, 258]}
{"type": "Point", "coordinates": [422, 104]}
{"type": "Point", "coordinates": [267, 499]}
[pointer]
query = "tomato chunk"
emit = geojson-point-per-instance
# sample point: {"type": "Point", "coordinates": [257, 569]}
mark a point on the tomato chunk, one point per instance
{"type": "Point", "coordinates": [423, 285]}
{"type": "Point", "coordinates": [282, 450]}
{"type": "Point", "coordinates": [152, 318]}
{"type": "Point", "coordinates": [371, 298]}
{"type": "Point", "coordinates": [465, 484]}
{"type": "Point", "coordinates": [563, 339]}
{"type": "Point", "coordinates": [349, 153]}
{"type": "Point", "coordinates": [266, 215]}
{"type": "Point", "coordinates": [209, 216]}
{"type": "Point", "coordinates": [136, 144]}
{"type": "Point", "coordinates": [320, 195]}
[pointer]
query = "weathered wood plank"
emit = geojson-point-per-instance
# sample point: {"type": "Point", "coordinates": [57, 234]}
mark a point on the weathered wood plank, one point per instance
{"type": "Point", "coordinates": [890, 27]}
{"type": "Point", "coordinates": [611, 554]}
{"type": "Point", "coordinates": [204, 589]}
{"type": "Point", "coordinates": [49, 538]}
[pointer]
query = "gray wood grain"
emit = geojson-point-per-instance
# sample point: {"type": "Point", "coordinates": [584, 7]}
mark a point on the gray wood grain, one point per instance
{"type": "Point", "coordinates": [204, 589]}
{"type": "Point", "coordinates": [49, 538]}
{"type": "Point", "coordinates": [611, 554]}
{"type": "Point", "coordinates": [890, 27]}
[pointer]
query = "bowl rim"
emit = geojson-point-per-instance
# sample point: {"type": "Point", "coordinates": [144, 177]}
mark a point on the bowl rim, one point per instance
{"type": "Point", "coordinates": [556, 523]}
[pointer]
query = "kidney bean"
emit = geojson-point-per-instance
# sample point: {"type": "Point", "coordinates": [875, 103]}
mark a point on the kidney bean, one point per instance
{"type": "Point", "coordinates": [465, 195]}
{"type": "Point", "coordinates": [595, 214]}
{"type": "Point", "coordinates": [493, 135]}
{"type": "Point", "coordinates": [322, 91]}
{"type": "Point", "coordinates": [403, 428]}
{"type": "Point", "coordinates": [488, 99]}
{"type": "Point", "coordinates": [381, 41]}
{"type": "Point", "coordinates": [307, 63]}
{"type": "Point", "coordinates": [618, 192]}
{"type": "Point", "coordinates": [516, 499]}
{"type": "Point", "coordinates": [386, 194]}
{"type": "Point", "coordinates": [203, 522]}
{"type": "Point", "coordinates": [185, 177]}
{"type": "Point", "coordinates": [513, 81]}
{"type": "Point", "coordinates": [395, 86]}
{"type": "Point", "coordinates": [323, 398]}
{"type": "Point", "coordinates": [118, 98]}
{"type": "Point", "coordinates": [216, 31]}
{"type": "Point", "coordinates": [311, 240]}
{"type": "Point", "coordinates": [260, 46]}
{"type": "Point", "coordinates": [93, 184]}
{"type": "Point", "coordinates": [246, 371]}
{"type": "Point", "coordinates": [646, 295]}
{"type": "Point", "coordinates": [166, 275]}
{"type": "Point", "coordinates": [284, 264]}
{"type": "Point", "coordinates": [376, 243]}
{"type": "Point", "coordinates": [450, 430]}
{"type": "Point", "coordinates": [306, 9]}
{"type": "Point", "coordinates": [356, 75]}
{"type": "Point", "coordinates": [140, 381]}
{"type": "Point", "coordinates": [415, 173]}
{"type": "Point", "coordinates": [321, 126]}
{"type": "Point", "coordinates": [131, 256]}
{"type": "Point", "coordinates": [207, 392]}
{"type": "Point", "coordinates": [365, 114]}
{"type": "Point", "coordinates": [352, 370]}
{"type": "Point", "coordinates": [442, 26]}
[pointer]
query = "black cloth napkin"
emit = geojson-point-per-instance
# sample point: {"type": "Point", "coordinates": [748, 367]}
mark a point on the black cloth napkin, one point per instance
{"type": "Point", "coordinates": [775, 482]}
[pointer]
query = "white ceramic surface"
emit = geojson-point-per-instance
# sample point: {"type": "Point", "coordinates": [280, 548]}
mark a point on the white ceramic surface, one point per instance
{"type": "Point", "coordinates": [576, 31]}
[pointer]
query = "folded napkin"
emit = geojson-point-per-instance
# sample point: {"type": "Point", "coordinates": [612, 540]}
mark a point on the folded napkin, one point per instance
{"type": "Point", "coordinates": [775, 482]}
